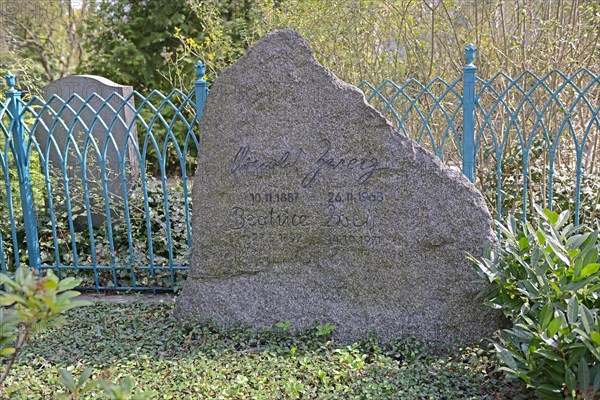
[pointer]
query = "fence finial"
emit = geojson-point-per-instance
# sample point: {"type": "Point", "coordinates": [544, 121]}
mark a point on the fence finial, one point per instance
{"type": "Point", "coordinates": [200, 89]}
{"type": "Point", "coordinates": [200, 70]}
{"type": "Point", "coordinates": [10, 81]}
{"type": "Point", "coordinates": [470, 51]}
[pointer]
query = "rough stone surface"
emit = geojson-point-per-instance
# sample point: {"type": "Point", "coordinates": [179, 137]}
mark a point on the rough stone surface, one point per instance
{"type": "Point", "coordinates": [308, 207]}
{"type": "Point", "coordinates": [88, 115]}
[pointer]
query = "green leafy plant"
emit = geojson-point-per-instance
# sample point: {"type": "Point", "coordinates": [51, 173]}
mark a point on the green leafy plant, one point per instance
{"type": "Point", "coordinates": [122, 390]}
{"type": "Point", "coordinates": [75, 387]}
{"type": "Point", "coordinates": [35, 303]}
{"type": "Point", "coordinates": [284, 325]}
{"type": "Point", "coordinates": [325, 329]}
{"type": "Point", "coordinates": [546, 280]}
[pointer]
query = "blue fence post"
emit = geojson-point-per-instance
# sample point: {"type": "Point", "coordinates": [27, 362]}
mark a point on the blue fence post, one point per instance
{"type": "Point", "coordinates": [468, 137]}
{"type": "Point", "coordinates": [201, 90]}
{"type": "Point", "coordinates": [13, 98]}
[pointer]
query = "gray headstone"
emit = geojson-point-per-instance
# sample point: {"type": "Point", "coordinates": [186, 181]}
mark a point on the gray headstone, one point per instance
{"type": "Point", "coordinates": [95, 119]}
{"type": "Point", "coordinates": [308, 207]}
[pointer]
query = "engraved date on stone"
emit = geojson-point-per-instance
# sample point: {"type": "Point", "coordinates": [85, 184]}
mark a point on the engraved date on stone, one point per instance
{"type": "Point", "coordinates": [283, 197]}
{"type": "Point", "coordinates": [350, 197]}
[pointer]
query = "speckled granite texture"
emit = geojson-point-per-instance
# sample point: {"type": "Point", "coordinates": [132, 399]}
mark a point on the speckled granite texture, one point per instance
{"type": "Point", "coordinates": [308, 207]}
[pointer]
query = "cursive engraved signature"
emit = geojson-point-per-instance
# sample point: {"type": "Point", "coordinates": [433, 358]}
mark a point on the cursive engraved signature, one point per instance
{"type": "Point", "coordinates": [367, 167]}
{"type": "Point", "coordinates": [327, 163]}
{"type": "Point", "coordinates": [243, 161]}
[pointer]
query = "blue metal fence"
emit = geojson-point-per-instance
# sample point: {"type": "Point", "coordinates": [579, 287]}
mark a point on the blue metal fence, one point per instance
{"type": "Point", "coordinates": [112, 210]}
{"type": "Point", "coordinates": [533, 139]}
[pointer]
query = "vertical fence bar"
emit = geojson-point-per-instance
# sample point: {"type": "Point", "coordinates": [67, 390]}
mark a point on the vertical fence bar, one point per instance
{"type": "Point", "coordinates": [201, 90]}
{"type": "Point", "coordinates": [468, 137]}
{"type": "Point", "coordinates": [13, 97]}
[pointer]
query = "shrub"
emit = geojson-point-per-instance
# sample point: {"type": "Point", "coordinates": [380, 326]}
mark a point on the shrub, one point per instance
{"type": "Point", "coordinates": [546, 279]}
{"type": "Point", "coordinates": [36, 302]}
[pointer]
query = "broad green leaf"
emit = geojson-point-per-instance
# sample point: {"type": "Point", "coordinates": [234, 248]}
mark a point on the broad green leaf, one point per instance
{"type": "Point", "coordinates": [550, 392]}
{"type": "Point", "coordinates": [7, 351]}
{"type": "Point", "coordinates": [550, 355]}
{"type": "Point", "coordinates": [531, 288]}
{"type": "Point", "coordinates": [535, 256]}
{"type": "Point", "coordinates": [581, 333]}
{"type": "Point", "coordinates": [523, 242]}
{"type": "Point", "coordinates": [67, 379]}
{"type": "Point", "coordinates": [85, 375]}
{"type": "Point", "coordinates": [570, 379]}
{"type": "Point", "coordinates": [127, 385]}
{"type": "Point", "coordinates": [591, 255]}
{"type": "Point", "coordinates": [51, 276]}
{"type": "Point", "coordinates": [556, 288]}
{"type": "Point", "coordinates": [519, 333]}
{"type": "Point", "coordinates": [76, 304]}
{"type": "Point", "coordinates": [575, 286]}
{"type": "Point", "coordinates": [554, 326]}
{"type": "Point", "coordinates": [575, 241]}
{"type": "Point", "coordinates": [555, 374]}
{"type": "Point", "coordinates": [69, 283]}
{"type": "Point", "coordinates": [583, 374]}
{"type": "Point", "coordinates": [590, 241]}
{"type": "Point", "coordinates": [541, 238]}
{"type": "Point", "coordinates": [70, 294]}
{"type": "Point", "coordinates": [556, 367]}
{"type": "Point", "coordinates": [551, 215]}
{"type": "Point", "coordinates": [577, 268]}
{"type": "Point", "coordinates": [587, 318]}
{"type": "Point", "coordinates": [590, 269]}
{"type": "Point", "coordinates": [520, 374]}
{"type": "Point", "coordinates": [562, 218]}
{"type": "Point", "coordinates": [558, 249]}
{"type": "Point", "coordinates": [506, 357]}
{"type": "Point", "coordinates": [7, 280]}
{"type": "Point", "coordinates": [575, 353]}
{"type": "Point", "coordinates": [546, 316]}
{"type": "Point", "coordinates": [89, 386]}
{"type": "Point", "coordinates": [8, 299]}
{"type": "Point", "coordinates": [572, 309]}
{"type": "Point", "coordinates": [50, 284]}
{"type": "Point", "coordinates": [574, 253]}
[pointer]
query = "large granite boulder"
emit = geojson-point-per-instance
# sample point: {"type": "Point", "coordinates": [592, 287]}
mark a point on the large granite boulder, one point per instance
{"type": "Point", "coordinates": [308, 207]}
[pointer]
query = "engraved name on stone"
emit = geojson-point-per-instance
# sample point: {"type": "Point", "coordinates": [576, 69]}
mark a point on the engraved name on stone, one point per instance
{"type": "Point", "coordinates": [281, 210]}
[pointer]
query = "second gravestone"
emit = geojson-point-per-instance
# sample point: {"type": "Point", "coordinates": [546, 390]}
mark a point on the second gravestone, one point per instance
{"type": "Point", "coordinates": [308, 207]}
{"type": "Point", "coordinates": [89, 123]}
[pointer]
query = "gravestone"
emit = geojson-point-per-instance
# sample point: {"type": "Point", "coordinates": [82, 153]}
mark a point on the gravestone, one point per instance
{"type": "Point", "coordinates": [89, 116]}
{"type": "Point", "coordinates": [308, 207]}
